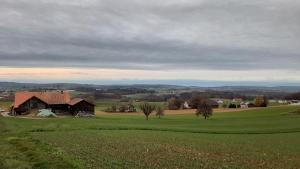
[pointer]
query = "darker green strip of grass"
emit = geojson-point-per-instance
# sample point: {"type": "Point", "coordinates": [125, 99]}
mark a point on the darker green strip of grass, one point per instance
{"type": "Point", "coordinates": [295, 130]}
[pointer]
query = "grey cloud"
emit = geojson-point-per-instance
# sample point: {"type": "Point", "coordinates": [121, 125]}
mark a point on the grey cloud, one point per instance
{"type": "Point", "coordinates": [208, 34]}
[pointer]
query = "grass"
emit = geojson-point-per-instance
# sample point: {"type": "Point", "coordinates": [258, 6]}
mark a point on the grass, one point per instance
{"type": "Point", "coordinates": [276, 104]}
{"type": "Point", "coordinates": [5, 104]}
{"type": "Point", "coordinates": [103, 105]}
{"type": "Point", "coordinates": [261, 138]}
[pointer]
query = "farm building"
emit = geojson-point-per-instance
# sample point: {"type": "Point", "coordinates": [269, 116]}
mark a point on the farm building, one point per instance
{"type": "Point", "coordinates": [244, 105]}
{"type": "Point", "coordinates": [213, 103]}
{"type": "Point", "coordinates": [59, 102]}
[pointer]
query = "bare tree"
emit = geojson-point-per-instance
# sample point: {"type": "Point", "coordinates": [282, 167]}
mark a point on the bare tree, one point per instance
{"type": "Point", "coordinates": [174, 103]}
{"type": "Point", "coordinates": [204, 109]}
{"type": "Point", "coordinates": [147, 109]}
{"type": "Point", "coordinates": [159, 111]}
{"type": "Point", "coordinates": [195, 101]}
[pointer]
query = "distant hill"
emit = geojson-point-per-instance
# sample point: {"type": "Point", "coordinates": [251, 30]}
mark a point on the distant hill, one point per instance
{"type": "Point", "coordinates": [65, 86]}
{"type": "Point", "coordinates": [256, 88]}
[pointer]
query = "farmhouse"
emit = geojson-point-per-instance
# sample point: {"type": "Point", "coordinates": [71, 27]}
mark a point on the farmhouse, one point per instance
{"type": "Point", "coordinates": [59, 102]}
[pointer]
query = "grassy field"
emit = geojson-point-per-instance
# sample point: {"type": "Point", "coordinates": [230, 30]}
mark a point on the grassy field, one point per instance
{"type": "Point", "coordinates": [262, 138]}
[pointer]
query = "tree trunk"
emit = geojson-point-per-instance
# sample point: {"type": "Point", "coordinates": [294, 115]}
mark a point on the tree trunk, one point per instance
{"type": "Point", "coordinates": [146, 117]}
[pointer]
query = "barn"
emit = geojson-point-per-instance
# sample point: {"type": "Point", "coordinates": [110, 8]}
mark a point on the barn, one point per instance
{"type": "Point", "coordinates": [59, 102]}
{"type": "Point", "coordinates": [80, 105]}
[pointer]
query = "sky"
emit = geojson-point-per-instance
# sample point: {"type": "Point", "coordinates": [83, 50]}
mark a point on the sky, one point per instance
{"type": "Point", "coordinates": [97, 41]}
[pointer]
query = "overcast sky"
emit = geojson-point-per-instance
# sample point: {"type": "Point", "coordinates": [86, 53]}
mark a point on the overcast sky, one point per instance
{"type": "Point", "coordinates": [225, 40]}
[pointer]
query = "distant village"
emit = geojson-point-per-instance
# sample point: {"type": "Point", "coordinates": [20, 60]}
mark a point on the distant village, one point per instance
{"type": "Point", "coordinates": [84, 101]}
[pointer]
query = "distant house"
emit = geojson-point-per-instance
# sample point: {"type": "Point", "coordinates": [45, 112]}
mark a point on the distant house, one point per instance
{"type": "Point", "coordinates": [237, 100]}
{"type": "Point", "coordinates": [186, 105]}
{"type": "Point", "coordinates": [59, 102]}
{"type": "Point", "coordinates": [294, 102]}
{"type": "Point", "coordinates": [244, 105]}
{"type": "Point", "coordinates": [220, 102]}
{"type": "Point", "coordinates": [282, 101]}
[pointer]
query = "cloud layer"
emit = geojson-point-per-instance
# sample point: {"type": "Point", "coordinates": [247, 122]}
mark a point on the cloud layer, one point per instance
{"type": "Point", "coordinates": [230, 35]}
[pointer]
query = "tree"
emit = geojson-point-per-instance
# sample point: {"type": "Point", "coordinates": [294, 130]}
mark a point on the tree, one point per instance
{"type": "Point", "coordinates": [195, 102]}
{"type": "Point", "coordinates": [293, 96]}
{"type": "Point", "coordinates": [174, 103]}
{"type": "Point", "coordinates": [261, 101]}
{"type": "Point", "coordinates": [266, 101]}
{"type": "Point", "coordinates": [258, 101]}
{"type": "Point", "coordinates": [159, 111]}
{"type": "Point", "coordinates": [232, 106]}
{"type": "Point", "coordinates": [147, 109]}
{"type": "Point", "coordinates": [205, 109]}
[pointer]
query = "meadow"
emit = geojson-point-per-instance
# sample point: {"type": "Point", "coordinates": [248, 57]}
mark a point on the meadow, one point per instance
{"type": "Point", "coordinates": [261, 138]}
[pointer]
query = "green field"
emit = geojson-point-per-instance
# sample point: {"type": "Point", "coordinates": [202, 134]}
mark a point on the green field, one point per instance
{"type": "Point", "coordinates": [263, 138]}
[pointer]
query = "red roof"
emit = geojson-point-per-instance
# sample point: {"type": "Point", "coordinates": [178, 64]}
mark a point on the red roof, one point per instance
{"type": "Point", "coordinates": [77, 100]}
{"type": "Point", "coordinates": [59, 97]}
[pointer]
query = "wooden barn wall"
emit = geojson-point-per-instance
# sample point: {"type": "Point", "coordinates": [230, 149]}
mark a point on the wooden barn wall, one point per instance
{"type": "Point", "coordinates": [83, 106]}
{"type": "Point", "coordinates": [30, 104]}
